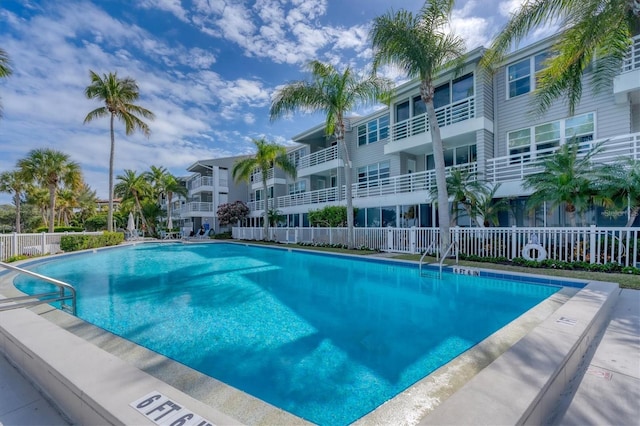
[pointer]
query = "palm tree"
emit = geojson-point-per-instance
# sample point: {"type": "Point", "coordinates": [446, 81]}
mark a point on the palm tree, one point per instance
{"type": "Point", "coordinates": [87, 203]}
{"type": "Point", "coordinates": [133, 187]}
{"type": "Point", "coordinates": [50, 168]}
{"type": "Point", "coordinates": [463, 188]}
{"type": "Point", "coordinates": [14, 183]}
{"type": "Point", "coordinates": [593, 29]}
{"type": "Point", "coordinates": [621, 181]}
{"type": "Point", "coordinates": [419, 45]}
{"type": "Point", "coordinates": [268, 155]}
{"type": "Point", "coordinates": [172, 186]}
{"type": "Point", "coordinates": [334, 94]}
{"type": "Point", "coordinates": [488, 207]}
{"type": "Point", "coordinates": [155, 177]}
{"type": "Point", "coordinates": [39, 198]}
{"type": "Point", "coordinates": [566, 177]}
{"type": "Point", "coordinates": [118, 95]}
{"type": "Point", "coordinates": [5, 69]}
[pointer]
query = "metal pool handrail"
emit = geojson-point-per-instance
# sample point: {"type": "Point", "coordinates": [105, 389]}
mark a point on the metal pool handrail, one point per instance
{"type": "Point", "coordinates": [433, 243]}
{"type": "Point", "coordinates": [27, 301]}
{"type": "Point", "coordinates": [444, 256]}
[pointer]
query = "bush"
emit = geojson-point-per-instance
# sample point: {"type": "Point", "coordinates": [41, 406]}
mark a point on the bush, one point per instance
{"type": "Point", "coordinates": [18, 257]}
{"type": "Point", "coordinates": [83, 242]}
{"type": "Point", "coordinates": [61, 229]}
{"type": "Point", "coordinates": [223, 236]}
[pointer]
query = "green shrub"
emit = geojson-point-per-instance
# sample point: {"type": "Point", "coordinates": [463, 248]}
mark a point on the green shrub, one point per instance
{"type": "Point", "coordinates": [223, 236]}
{"type": "Point", "coordinates": [16, 258]}
{"type": "Point", "coordinates": [61, 229]}
{"type": "Point", "coordinates": [83, 242]}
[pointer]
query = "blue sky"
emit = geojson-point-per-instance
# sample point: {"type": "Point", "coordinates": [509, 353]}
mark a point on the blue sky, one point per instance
{"type": "Point", "coordinates": [206, 68]}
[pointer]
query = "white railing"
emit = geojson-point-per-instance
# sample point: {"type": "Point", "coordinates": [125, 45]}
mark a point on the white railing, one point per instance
{"type": "Point", "coordinates": [200, 181]}
{"type": "Point", "coordinates": [259, 205]}
{"type": "Point", "coordinates": [319, 157]}
{"type": "Point", "coordinates": [586, 244]}
{"type": "Point", "coordinates": [516, 167]}
{"type": "Point", "coordinates": [196, 206]}
{"type": "Point", "coordinates": [632, 60]}
{"type": "Point", "coordinates": [447, 115]}
{"type": "Point", "coordinates": [420, 181]}
{"type": "Point", "coordinates": [312, 197]}
{"type": "Point", "coordinates": [257, 176]}
{"type": "Point", "coordinates": [33, 244]}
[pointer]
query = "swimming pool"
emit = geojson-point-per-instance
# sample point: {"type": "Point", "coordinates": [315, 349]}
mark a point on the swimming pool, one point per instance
{"type": "Point", "coordinates": [324, 337]}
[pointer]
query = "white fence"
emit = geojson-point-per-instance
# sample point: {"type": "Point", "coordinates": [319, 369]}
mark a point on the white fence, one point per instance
{"type": "Point", "coordinates": [33, 244]}
{"type": "Point", "coordinates": [588, 244]}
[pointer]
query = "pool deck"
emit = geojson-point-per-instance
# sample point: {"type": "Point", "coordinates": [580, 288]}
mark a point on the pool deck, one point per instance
{"type": "Point", "coordinates": [604, 389]}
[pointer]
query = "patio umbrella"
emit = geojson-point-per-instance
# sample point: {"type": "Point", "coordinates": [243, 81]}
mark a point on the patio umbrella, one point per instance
{"type": "Point", "coordinates": [169, 224]}
{"type": "Point", "coordinates": [131, 226]}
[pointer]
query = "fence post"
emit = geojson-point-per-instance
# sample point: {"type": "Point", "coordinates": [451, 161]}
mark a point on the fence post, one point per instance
{"type": "Point", "coordinates": [390, 239]}
{"type": "Point", "coordinates": [330, 236]}
{"type": "Point", "coordinates": [42, 244]}
{"type": "Point", "coordinates": [412, 239]}
{"type": "Point", "coordinates": [592, 244]}
{"type": "Point", "coordinates": [514, 242]}
{"type": "Point", "coordinates": [295, 236]}
{"type": "Point", "coordinates": [14, 246]}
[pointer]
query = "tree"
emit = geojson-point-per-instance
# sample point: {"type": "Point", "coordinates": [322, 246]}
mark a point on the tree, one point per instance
{"type": "Point", "coordinates": [14, 183]}
{"type": "Point", "coordinates": [133, 187]}
{"type": "Point", "coordinates": [566, 177]}
{"type": "Point", "coordinates": [592, 29]}
{"type": "Point", "coordinates": [118, 95]}
{"type": "Point", "coordinates": [463, 188]}
{"type": "Point", "coordinates": [87, 203]}
{"type": "Point", "coordinates": [621, 183]}
{"type": "Point", "coordinates": [155, 177]}
{"type": "Point", "coordinates": [231, 213]}
{"type": "Point", "coordinates": [50, 169]}
{"type": "Point", "coordinates": [334, 94]}
{"type": "Point", "coordinates": [331, 216]}
{"type": "Point", "coordinates": [269, 155]}
{"type": "Point", "coordinates": [488, 207]}
{"type": "Point", "coordinates": [5, 70]}
{"type": "Point", "coordinates": [171, 186]}
{"type": "Point", "coordinates": [419, 45]}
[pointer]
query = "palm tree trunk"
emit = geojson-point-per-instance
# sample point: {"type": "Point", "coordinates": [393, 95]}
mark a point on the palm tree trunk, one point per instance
{"type": "Point", "coordinates": [265, 213]}
{"type": "Point", "coordinates": [438, 159]}
{"type": "Point", "coordinates": [347, 181]}
{"type": "Point", "coordinates": [16, 200]}
{"type": "Point", "coordinates": [111, 156]}
{"type": "Point", "coordinates": [52, 206]}
{"type": "Point", "coordinates": [169, 197]}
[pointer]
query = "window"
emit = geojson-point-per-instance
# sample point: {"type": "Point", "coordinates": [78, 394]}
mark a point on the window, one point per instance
{"type": "Point", "coordinates": [298, 187]}
{"type": "Point", "coordinates": [373, 130]}
{"type": "Point", "coordinates": [545, 137]}
{"type": "Point", "coordinates": [402, 111]}
{"type": "Point", "coordinates": [441, 96]}
{"type": "Point", "coordinates": [455, 156]}
{"type": "Point", "coordinates": [462, 88]}
{"type": "Point", "coordinates": [295, 156]}
{"type": "Point", "coordinates": [373, 173]}
{"type": "Point", "coordinates": [418, 106]}
{"type": "Point", "coordinates": [519, 76]}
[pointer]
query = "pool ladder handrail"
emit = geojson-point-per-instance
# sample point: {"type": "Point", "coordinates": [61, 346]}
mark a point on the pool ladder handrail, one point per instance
{"type": "Point", "coordinates": [446, 252]}
{"type": "Point", "coordinates": [427, 251]}
{"type": "Point", "coordinates": [42, 298]}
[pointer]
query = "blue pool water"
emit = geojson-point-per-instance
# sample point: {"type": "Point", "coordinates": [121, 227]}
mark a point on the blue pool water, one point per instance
{"type": "Point", "coordinates": [324, 337]}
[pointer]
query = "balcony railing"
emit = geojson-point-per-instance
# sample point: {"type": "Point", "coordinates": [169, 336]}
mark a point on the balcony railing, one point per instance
{"type": "Point", "coordinates": [312, 197]}
{"type": "Point", "coordinates": [257, 176]}
{"type": "Point", "coordinates": [516, 167]}
{"type": "Point", "coordinates": [319, 157]}
{"type": "Point", "coordinates": [632, 60]}
{"type": "Point", "coordinates": [421, 181]}
{"type": "Point", "coordinates": [200, 181]}
{"type": "Point", "coordinates": [447, 115]}
{"type": "Point", "coordinates": [259, 205]}
{"type": "Point", "coordinates": [196, 206]}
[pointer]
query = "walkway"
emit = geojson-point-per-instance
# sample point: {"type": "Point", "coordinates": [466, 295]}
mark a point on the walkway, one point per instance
{"type": "Point", "coordinates": [610, 389]}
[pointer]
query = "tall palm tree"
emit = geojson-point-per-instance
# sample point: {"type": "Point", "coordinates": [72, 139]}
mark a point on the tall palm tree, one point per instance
{"type": "Point", "coordinates": [566, 177]}
{"type": "Point", "coordinates": [621, 182]}
{"type": "Point", "coordinates": [14, 183]}
{"type": "Point", "coordinates": [117, 95]}
{"type": "Point", "coordinates": [592, 29]}
{"type": "Point", "coordinates": [155, 177]}
{"type": "Point", "coordinates": [269, 155]}
{"type": "Point", "coordinates": [171, 186]}
{"type": "Point", "coordinates": [5, 69]}
{"type": "Point", "coordinates": [87, 203]}
{"type": "Point", "coordinates": [39, 198]}
{"type": "Point", "coordinates": [419, 45]}
{"type": "Point", "coordinates": [50, 169]}
{"type": "Point", "coordinates": [334, 94]}
{"type": "Point", "coordinates": [133, 187]}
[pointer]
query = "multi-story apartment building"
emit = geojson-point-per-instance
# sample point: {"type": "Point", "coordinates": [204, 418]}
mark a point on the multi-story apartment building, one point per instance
{"type": "Point", "coordinates": [488, 128]}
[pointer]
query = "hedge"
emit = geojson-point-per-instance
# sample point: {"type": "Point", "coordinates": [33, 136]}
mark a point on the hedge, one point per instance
{"type": "Point", "coordinates": [82, 242]}
{"type": "Point", "coordinates": [61, 229]}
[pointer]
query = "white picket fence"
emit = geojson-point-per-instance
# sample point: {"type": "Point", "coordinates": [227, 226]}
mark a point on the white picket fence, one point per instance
{"type": "Point", "coordinates": [33, 244]}
{"type": "Point", "coordinates": [587, 244]}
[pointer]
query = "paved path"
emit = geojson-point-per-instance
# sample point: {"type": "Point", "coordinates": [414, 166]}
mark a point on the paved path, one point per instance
{"type": "Point", "coordinates": [21, 403]}
{"type": "Point", "coordinates": [609, 393]}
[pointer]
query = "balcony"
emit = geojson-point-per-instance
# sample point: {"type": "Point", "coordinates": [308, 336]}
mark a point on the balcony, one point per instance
{"type": "Point", "coordinates": [312, 197]}
{"type": "Point", "coordinates": [628, 81]}
{"type": "Point", "coordinates": [202, 183]}
{"type": "Point", "coordinates": [516, 167]}
{"type": "Point", "coordinates": [194, 208]}
{"type": "Point", "coordinates": [413, 135]}
{"type": "Point", "coordinates": [319, 161]}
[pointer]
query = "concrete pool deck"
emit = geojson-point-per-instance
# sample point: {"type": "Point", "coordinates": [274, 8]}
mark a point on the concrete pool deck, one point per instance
{"type": "Point", "coordinates": [593, 306]}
